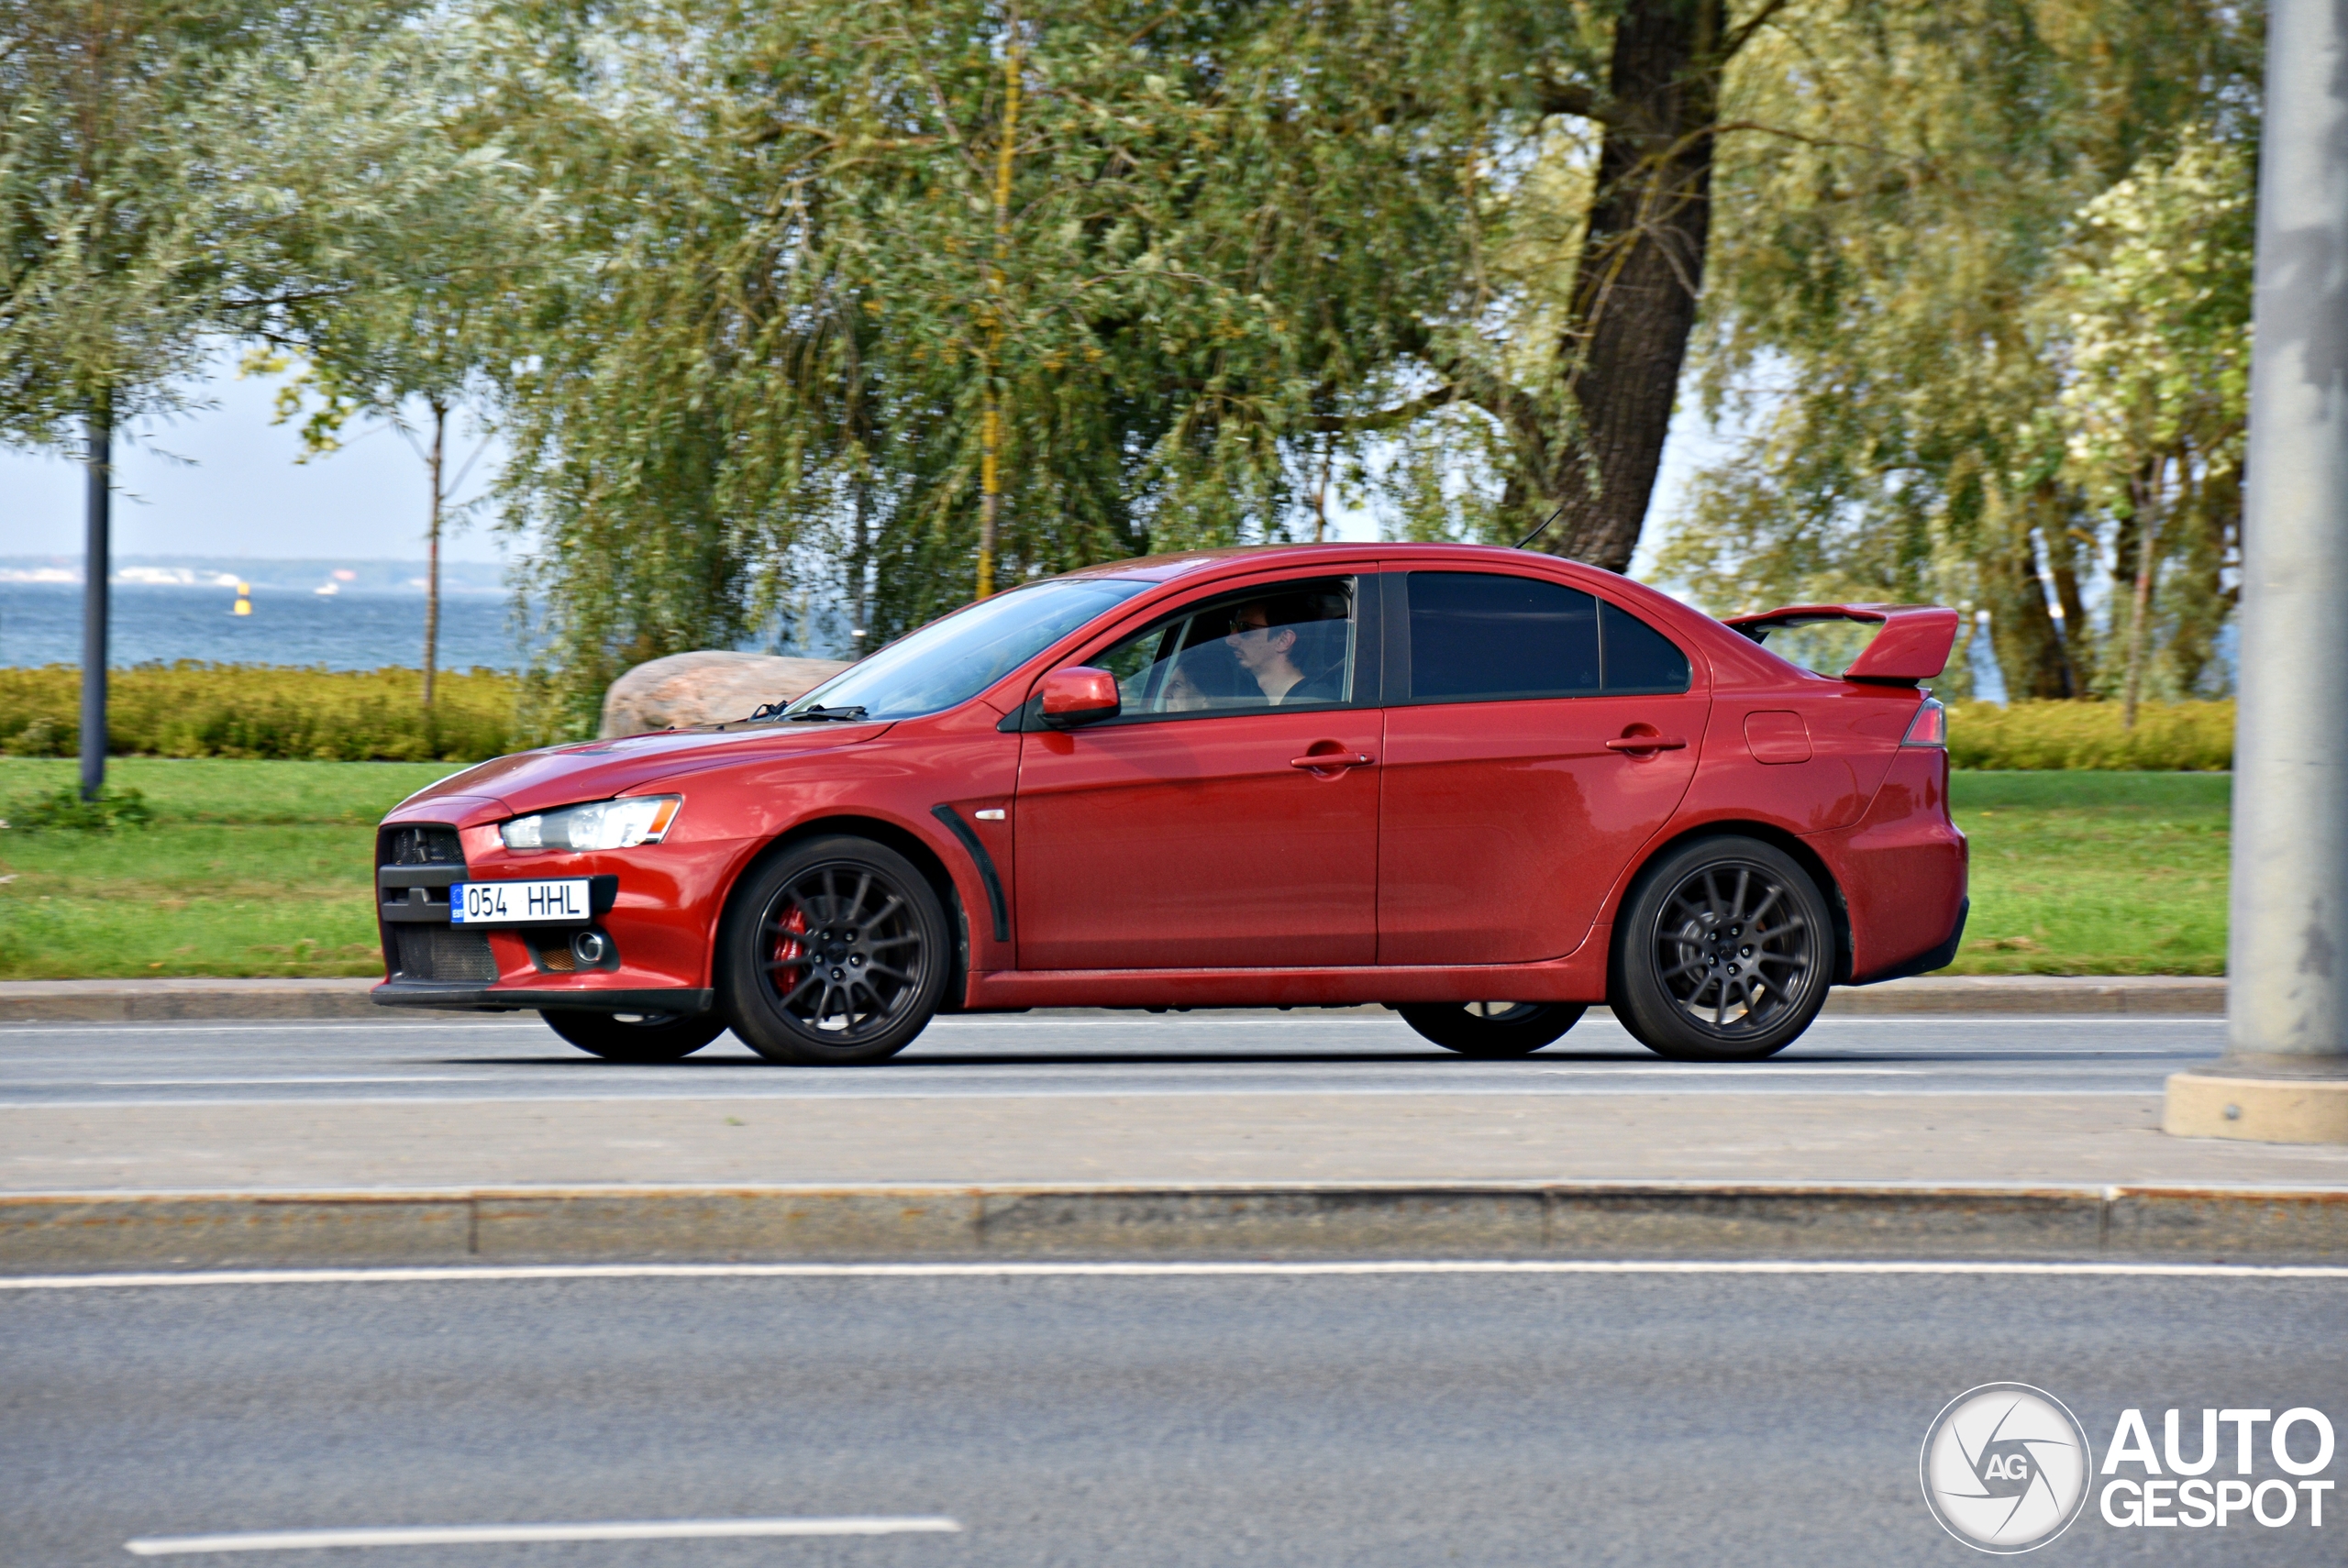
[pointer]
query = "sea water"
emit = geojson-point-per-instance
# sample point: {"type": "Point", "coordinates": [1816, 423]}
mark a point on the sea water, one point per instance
{"type": "Point", "coordinates": [40, 623]}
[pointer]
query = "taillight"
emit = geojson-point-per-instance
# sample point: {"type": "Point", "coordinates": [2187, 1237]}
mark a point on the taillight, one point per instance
{"type": "Point", "coordinates": [1929, 727]}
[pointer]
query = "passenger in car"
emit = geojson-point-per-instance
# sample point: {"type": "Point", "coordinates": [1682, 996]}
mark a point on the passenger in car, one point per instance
{"type": "Point", "coordinates": [1264, 640]}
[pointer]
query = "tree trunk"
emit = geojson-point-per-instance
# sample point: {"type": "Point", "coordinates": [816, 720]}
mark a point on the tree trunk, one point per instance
{"type": "Point", "coordinates": [2148, 528]}
{"type": "Point", "coordinates": [432, 566]}
{"type": "Point", "coordinates": [2079, 631]}
{"type": "Point", "coordinates": [97, 566]}
{"type": "Point", "coordinates": [2029, 649]}
{"type": "Point", "coordinates": [1642, 269]}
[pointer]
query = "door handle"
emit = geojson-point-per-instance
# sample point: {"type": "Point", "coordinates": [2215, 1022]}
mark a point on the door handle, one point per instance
{"type": "Point", "coordinates": [1647, 743]}
{"type": "Point", "coordinates": [1333, 761]}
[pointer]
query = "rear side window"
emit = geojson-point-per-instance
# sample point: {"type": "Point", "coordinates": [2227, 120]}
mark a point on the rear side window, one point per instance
{"type": "Point", "coordinates": [1484, 636]}
{"type": "Point", "coordinates": [1640, 660]}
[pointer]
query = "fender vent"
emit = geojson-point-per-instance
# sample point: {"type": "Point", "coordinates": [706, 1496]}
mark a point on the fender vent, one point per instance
{"type": "Point", "coordinates": [444, 953]}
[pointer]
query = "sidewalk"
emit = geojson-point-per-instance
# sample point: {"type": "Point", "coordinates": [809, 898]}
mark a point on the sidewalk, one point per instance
{"type": "Point", "coordinates": [1212, 1174]}
{"type": "Point", "coordinates": [121, 1001]}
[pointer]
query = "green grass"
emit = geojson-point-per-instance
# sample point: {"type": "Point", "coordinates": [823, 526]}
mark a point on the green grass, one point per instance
{"type": "Point", "coordinates": [2080, 873]}
{"type": "Point", "coordinates": [266, 869]}
{"type": "Point", "coordinates": [249, 868]}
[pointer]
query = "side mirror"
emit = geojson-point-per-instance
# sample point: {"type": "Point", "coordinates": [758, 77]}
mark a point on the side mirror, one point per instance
{"type": "Point", "coordinates": [1078, 695]}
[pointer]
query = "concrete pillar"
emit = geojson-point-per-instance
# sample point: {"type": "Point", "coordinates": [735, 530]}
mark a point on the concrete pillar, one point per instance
{"type": "Point", "coordinates": [2284, 1077]}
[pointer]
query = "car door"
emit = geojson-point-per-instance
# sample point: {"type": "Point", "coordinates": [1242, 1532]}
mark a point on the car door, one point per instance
{"type": "Point", "coordinates": [1228, 816]}
{"type": "Point", "coordinates": [1517, 783]}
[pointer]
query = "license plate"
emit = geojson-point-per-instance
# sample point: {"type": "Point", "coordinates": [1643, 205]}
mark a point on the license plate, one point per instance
{"type": "Point", "coordinates": [518, 903]}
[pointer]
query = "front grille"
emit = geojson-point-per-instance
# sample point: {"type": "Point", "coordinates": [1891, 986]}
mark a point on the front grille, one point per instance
{"type": "Point", "coordinates": [555, 955]}
{"type": "Point", "coordinates": [444, 953]}
{"type": "Point", "coordinates": [425, 844]}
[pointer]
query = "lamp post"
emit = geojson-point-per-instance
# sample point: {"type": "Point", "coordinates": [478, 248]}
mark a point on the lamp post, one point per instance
{"type": "Point", "coordinates": [2284, 1077]}
{"type": "Point", "coordinates": [96, 567]}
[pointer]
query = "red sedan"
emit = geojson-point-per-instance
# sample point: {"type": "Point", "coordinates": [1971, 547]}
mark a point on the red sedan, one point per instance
{"type": "Point", "coordinates": [1487, 788]}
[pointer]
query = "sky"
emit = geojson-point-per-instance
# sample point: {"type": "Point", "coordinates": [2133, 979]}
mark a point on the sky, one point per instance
{"type": "Point", "coordinates": [224, 480]}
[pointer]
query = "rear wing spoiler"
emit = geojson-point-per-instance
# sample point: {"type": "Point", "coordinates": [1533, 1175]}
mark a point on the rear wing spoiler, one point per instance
{"type": "Point", "coordinates": [1913, 645]}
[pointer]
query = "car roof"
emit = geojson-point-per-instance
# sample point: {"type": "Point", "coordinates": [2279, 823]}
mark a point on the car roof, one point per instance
{"type": "Point", "coordinates": [1166, 568]}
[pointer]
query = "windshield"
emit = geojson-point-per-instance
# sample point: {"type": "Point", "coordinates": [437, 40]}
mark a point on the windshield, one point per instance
{"type": "Point", "coordinates": [953, 659]}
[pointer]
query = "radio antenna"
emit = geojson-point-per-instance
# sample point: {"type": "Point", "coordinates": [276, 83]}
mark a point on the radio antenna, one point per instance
{"type": "Point", "coordinates": [1545, 527]}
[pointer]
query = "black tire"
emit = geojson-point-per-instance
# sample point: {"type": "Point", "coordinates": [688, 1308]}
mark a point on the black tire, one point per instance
{"type": "Point", "coordinates": [1491, 1029]}
{"type": "Point", "coordinates": [1724, 952]}
{"type": "Point", "coordinates": [834, 952]}
{"type": "Point", "coordinates": [635, 1037]}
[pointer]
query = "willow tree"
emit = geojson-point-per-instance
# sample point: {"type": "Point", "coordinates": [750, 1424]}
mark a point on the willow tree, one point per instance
{"type": "Point", "coordinates": [858, 277]}
{"type": "Point", "coordinates": [1885, 259]}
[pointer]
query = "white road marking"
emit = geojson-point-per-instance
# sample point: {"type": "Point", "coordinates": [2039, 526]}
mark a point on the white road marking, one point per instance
{"type": "Point", "coordinates": [313, 1079]}
{"type": "Point", "coordinates": [1109, 1091]}
{"type": "Point", "coordinates": [470, 1535]}
{"type": "Point", "coordinates": [1156, 1271]}
{"type": "Point", "coordinates": [1740, 1070]}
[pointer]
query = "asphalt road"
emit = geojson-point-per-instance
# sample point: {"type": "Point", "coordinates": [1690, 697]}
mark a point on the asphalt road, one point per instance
{"type": "Point", "coordinates": [1290, 1420]}
{"type": "Point", "coordinates": [473, 1058]}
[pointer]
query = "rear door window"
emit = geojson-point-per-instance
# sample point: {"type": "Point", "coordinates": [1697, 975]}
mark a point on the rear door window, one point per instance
{"type": "Point", "coordinates": [1487, 636]}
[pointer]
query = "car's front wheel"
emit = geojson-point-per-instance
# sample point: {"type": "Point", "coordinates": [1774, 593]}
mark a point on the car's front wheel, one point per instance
{"type": "Point", "coordinates": [1491, 1029]}
{"type": "Point", "coordinates": [635, 1037]}
{"type": "Point", "coordinates": [834, 952]}
{"type": "Point", "coordinates": [1724, 952]}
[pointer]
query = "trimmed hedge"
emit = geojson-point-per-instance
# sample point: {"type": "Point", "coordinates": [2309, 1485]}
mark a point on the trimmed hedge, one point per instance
{"type": "Point", "coordinates": [2169, 737]}
{"type": "Point", "coordinates": [263, 710]}
{"type": "Point", "coordinates": [269, 710]}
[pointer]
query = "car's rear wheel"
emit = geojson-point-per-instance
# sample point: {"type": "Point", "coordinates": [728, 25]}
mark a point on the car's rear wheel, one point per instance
{"type": "Point", "coordinates": [1724, 953]}
{"type": "Point", "coordinates": [635, 1037]}
{"type": "Point", "coordinates": [835, 952]}
{"type": "Point", "coordinates": [1491, 1028]}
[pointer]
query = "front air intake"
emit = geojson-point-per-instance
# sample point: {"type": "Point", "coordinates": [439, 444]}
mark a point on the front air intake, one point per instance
{"type": "Point", "coordinates": [444, 954]}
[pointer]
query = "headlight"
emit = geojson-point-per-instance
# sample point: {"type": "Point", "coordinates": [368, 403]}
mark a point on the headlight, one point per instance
{"type": "Point", "coordinates": [606, 824]}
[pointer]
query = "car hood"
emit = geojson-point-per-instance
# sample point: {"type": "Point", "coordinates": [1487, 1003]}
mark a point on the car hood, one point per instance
{"type": "Point", "coordinates": [597, 770]}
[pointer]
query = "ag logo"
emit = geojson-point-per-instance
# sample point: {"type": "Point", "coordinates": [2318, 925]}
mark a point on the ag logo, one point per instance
{"type": "Point", "coordinates": [2005, 1467]}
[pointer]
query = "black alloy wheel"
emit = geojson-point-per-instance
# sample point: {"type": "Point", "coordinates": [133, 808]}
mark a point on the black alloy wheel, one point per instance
{"type": "Point", "coordinates": [835, 954]}
{"type": "Point", "coordinates": [635, 1037]}
{"type": "Point", "coordinates": [1491, 1028]}
{"type": "Point", "coordinates": [1724, 954]}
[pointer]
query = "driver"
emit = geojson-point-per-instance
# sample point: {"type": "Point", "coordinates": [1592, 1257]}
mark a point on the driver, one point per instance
{"type": "Point", "coordinates": [1264, 645]}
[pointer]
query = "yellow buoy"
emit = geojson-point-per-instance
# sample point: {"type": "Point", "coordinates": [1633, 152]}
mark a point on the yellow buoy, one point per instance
{"type": "Point", "coordinates": [244, 600]}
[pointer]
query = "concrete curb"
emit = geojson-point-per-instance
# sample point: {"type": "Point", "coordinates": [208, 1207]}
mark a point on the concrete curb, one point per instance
{"type": "Point", "coordinates": [143, 1002]}
{"type": "Point", "coordinates": [55, 1233]}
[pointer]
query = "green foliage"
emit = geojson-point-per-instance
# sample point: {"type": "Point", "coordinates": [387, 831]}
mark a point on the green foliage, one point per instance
{"type": "Point", "coordinates": [1229, 231]}
{"type": "Point", "coordinates": [259, 711]}
{"type": "Point", "coordinates": [2192, 737]}
{"type": "Point", "coordinates": [1941, 251]}
{"type": "Point", "coordinates": [63, 811]}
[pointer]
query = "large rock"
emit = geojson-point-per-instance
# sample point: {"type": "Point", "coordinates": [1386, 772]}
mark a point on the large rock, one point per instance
{"type": "Point", "coordinates": [709, 688]}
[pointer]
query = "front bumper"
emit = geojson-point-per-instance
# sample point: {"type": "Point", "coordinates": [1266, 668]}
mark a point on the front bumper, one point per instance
{"type": "Point", "coordinates": [515, 999]}
{"type": "Point", "coordinates": [655, 953]}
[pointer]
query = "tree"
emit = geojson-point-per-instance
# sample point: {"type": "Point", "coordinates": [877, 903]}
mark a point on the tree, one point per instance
{"type": "Point", "coordinates": [832, 280]}
{"type": "Point", "coordinates": [1881, 327]}
{"type": "Point", "coordinates": [428, 304]}
{"type": "Point", "coordinates": [2151, 322]}
{"type": "Point", "coordinates": [151, 206]}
